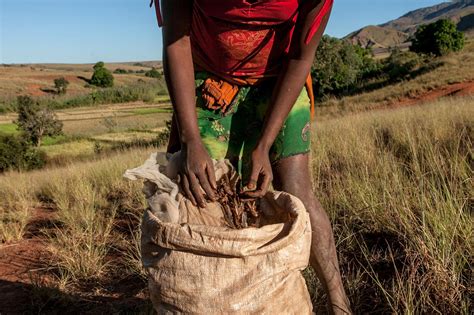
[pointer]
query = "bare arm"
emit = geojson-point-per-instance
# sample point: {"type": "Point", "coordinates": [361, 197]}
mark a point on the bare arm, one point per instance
{"type": "Point", "coordinates": [196, 170]}
{"type": "Point", "coordinates": [290, 82]}
{"type": "Point", "coordinates": [178, 65]}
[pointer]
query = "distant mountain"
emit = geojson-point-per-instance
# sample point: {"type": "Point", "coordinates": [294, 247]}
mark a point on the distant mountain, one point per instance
{"type": "Point", "coordinates": [377, 37]}
{"type": "Point", "coordinates": [396, 32]}
{"type": "Point", "coordinates": [455, 10]}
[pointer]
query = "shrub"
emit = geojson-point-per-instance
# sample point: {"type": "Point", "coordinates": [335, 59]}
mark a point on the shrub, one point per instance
{"type": "Point", "coordinates": [339, 66]}
{"type": "Point", "coordinates": [99, 65]}
{"type": "Point", "coordinates": [36, 121]}
{"type": "Point", "coordinates": [438, 38]}
{"type": "Point", "coordinates": [102, 77]}
{"type": "Point", "coordinates": [401, 64]}
{"type": "Point", "coordinates": [61, 85]}
{"type": "Point", "coordinates": [17, 154]}
{"type": "Point", "coordinates": [98, 148]}
{"type": "Point", "coordinates": [153, 73]}
{"type": "Point", "coordinates": [370, 67]}
{"type": "Point", "coordinates": [120, 71]}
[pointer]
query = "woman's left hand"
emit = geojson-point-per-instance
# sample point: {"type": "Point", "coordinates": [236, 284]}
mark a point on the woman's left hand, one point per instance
{"type": "Point", "coordinates": [261, 175]}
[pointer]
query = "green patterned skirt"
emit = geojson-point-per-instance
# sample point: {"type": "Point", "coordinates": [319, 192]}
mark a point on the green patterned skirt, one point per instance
{"type": "Point", "coordinates": [233, 135]}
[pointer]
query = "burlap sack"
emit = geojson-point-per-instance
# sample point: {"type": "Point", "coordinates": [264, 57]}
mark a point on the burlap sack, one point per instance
{"type": "Point", "coordinates": [196, 265]}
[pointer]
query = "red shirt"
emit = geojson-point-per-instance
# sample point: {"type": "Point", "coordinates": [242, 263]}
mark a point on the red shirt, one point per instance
{"type": "Point", "coordinates": [245, 40]}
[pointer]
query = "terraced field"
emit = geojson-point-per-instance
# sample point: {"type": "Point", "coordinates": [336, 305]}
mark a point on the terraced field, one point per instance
{"type": "Point", "coordinates": [95, 129]}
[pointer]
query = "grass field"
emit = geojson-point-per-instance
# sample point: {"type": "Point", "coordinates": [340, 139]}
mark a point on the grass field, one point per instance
{"type": "Point", "coordinates": [35, 79]}
{"type": "Point", "coordinates": [98, 121]}
{"type": "Point", "coordinates": [395, 178]}
{"type": "Point", "coordinates": [396, 183]}
{"type": "Point", "coordinates": [8, 128]}
{"type": "Point", "coordinates": [100, 128]}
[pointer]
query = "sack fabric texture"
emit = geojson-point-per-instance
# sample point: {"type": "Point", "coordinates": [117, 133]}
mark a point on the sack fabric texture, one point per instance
{"type": "Point", "coordinates": [198, 265]}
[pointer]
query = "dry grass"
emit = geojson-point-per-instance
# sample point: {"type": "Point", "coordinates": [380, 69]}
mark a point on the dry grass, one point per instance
{"type": "Point", "coordinates": [89, 200]}
{"type": "Point", "coordinates": [398, 186]}
{"type": "Point", "coordinates": [91, 127]}
{"type": "Point", "coordinates": [127, 137]}
{"type": "Point", "coordinates": [31, 79]}
{"type": "Point", "coordinates": [396, 183]}
{"type": "Point", "coordinates": [69, 150]}
{"type": "Point", "coordinates": [82, 243]}
{"type": "Point", "coordinates": [90, 121]}
{"type": "Point", "coordinates": [15, 205]}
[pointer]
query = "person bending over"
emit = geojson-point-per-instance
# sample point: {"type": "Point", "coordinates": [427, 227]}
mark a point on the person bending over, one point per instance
{"type": "Point", "coordinates": [236, 71]}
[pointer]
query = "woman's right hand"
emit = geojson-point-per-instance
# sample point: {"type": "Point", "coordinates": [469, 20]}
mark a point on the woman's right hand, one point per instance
{"type": "Point", "coordinates": [196, 172]}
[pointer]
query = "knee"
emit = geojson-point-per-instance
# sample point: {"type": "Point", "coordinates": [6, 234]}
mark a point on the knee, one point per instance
{"type": "Point", "coordinates": [311, 203]}
{"type": "Point", "coordinates": [315, 209]}
{"type": "Point", "coordinates": [317, 215]}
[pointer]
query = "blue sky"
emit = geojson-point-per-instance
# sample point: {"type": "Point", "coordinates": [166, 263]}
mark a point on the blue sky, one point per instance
{"type": "Point", "coordinates": [85, 31]}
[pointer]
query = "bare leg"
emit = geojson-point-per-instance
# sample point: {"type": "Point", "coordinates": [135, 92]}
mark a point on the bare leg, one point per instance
{"type": "Point", "coordinates": [292, 176]}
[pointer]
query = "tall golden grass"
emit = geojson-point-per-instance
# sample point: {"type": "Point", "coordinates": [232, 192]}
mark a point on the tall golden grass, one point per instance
{"type": "Point", "coordinates": [398, 186]}
{"type": "Point", "coordinates": [396, 183]}
{"type": "Point", "coordinates": [89, 199]}
{"type": "Point", "coordinates": [15, 204]}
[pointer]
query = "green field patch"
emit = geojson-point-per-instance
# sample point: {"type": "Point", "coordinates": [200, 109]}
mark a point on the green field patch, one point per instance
{"type": "Point", "coordinates": [55, 140]}
{"type": "Point", "coordinates": [148, 111]}
{"type": "Point", "coordinates": [162, 98]}
{"type": "Point", "coordinates": [9, 128]}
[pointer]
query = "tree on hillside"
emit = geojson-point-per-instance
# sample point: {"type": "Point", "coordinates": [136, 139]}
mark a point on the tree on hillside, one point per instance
{"type": "Point", "coordinates": [153, 73]}
{"type": "Point", "coordinates": [36, 121]}
{"type": "Point", "coordinates": [17, 154]}
{"type": "Point", "coordinates": [102, 77]}
{"type": "Point", "coordinates": [120, 71]}
{"type": "Point", "coordinates": [99, 65]}
{"type": "Point", "coordinates": [339, 65]}
{"type": "Point", "coordinates": [438, 38]}
{"type": "Point", "coordinates": [61, 85]}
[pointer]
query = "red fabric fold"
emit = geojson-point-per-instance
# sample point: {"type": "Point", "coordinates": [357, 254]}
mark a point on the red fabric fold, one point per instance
{"type": "Point", "coordinates": [158, 11]}
{"type": "Point", "coordinates": [245, 42]}
{"type": "Point", "coordinates": [317, 21]}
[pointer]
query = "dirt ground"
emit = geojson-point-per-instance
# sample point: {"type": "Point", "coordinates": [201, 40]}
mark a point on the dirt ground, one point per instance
{"type": "Point", "coordinates": [457, 89]}
{"type": "Point", "coordinates": [27, 286]}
